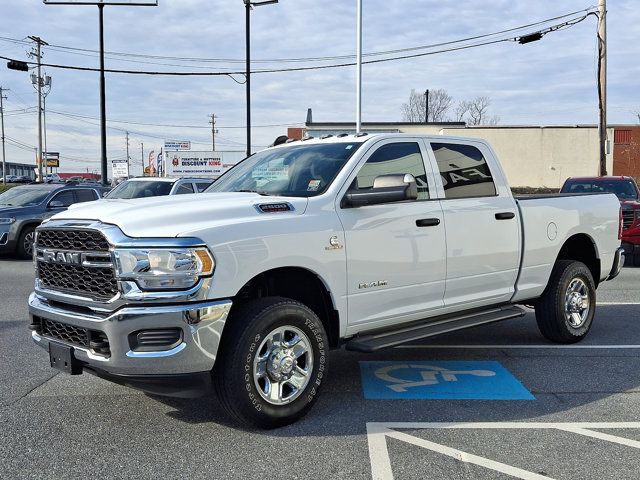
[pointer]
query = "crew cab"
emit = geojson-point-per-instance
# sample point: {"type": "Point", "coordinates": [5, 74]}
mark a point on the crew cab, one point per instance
{"type": "Point", "coordinates": [364, 241]}
{"type": "Point", "coordinates": [626, 190]}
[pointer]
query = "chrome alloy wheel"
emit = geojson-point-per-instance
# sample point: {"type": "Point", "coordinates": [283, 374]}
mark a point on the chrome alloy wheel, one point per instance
{"type": "Point", "coordinates": [27, 243]}
{"type": "Point", "coordinates": [283, 365]}
{"type": "Point", "coordinates": [577, 303]}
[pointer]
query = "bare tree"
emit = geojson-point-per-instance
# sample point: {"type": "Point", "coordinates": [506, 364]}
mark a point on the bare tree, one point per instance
{"type": "Point", "coordinates": [442, 108]}
{"type": "Point", "coordinates": [637, 114]}
{"type": "Point", "coordinates": [477, 113]}
{"type": "Point", "coordinates": [439, 104]}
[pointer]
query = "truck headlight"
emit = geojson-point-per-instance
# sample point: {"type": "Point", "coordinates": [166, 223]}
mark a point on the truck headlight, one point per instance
{"type": "Point", "coordinates": [7, 220]}
{"type": "Point", "coordinates": [164, 268]}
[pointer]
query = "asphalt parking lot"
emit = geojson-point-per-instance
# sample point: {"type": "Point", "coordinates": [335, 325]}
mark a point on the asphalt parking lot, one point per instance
{"type": "Point", "coordinates": [582, 420]}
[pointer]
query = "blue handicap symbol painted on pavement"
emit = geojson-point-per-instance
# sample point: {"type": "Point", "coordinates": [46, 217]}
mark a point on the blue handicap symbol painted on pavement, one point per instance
{"type": "Point", "coordinates": [454, 380]}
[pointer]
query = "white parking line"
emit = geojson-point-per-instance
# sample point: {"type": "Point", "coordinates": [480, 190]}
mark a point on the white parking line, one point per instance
{"type": "Point", "coordinates": [381, 462]}
{"type": "Point", "coordinates": [497, 346]}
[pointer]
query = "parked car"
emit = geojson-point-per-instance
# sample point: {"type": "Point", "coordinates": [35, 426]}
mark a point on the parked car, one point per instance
{"type": "Point", "coordinates": [367, 241]}
{"type": "Point", "coordinates": [23, 208]}
{"type": "Point", "coordinates": [52, 177]}
{"type": "Point", "coordinates": [141, 187]}
{"type": "Point", "coordinates": [626, 189]}
{"type": "Point", "coordinates": [10, 178]}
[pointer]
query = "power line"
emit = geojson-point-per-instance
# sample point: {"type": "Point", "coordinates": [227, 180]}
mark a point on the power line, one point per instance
{"type": "Point", "coordinates": [64, 48]}
{"type": "Point", "coordinates": [552, 28]}
{"type": "Point", "coordinates": [130, 122]}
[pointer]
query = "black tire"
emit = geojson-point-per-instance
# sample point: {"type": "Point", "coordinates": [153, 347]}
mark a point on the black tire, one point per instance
{"type": "Point", "coordinates": [636, 260]}
{"type": "Point", "coordinates": [554, 307]}
{"type": "Point", "coordinates": [241, 390]}
{"type": "Point", "coordinates": [24, 248]}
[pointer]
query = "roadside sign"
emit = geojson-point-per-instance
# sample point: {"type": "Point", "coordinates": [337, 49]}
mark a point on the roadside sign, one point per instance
{"type": "Point", "coordinates": [177, 145]}
{"type": "Point", "coordinates": [482, 380]}
{"type": "Point", "coordinates": [51, 159]}
{"type": "Point", "coordinates": [119, 168]}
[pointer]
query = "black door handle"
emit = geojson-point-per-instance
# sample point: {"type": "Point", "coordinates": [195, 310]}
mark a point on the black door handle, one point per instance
{"type": "Point", "coordinates": [427, 222]}
{"type": "Point", "coordinates": [505, 216]}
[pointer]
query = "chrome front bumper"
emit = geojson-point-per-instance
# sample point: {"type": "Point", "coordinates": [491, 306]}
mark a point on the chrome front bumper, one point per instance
{"type": "Point", "coordinates": [201, 323]}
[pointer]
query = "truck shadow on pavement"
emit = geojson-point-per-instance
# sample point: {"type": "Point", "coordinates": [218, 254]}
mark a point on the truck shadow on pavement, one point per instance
{"type": "Point", "coordinates": [584, 382]}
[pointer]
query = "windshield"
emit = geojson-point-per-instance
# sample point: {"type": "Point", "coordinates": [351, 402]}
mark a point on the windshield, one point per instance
{"type": "Point", "coordinates": [624, 189]}
{"type": "Point", "coordinates": [23, 197]}
{"type": "Point", "coordinates": [295, 171]}
{"type": "Point", "coordinates": [140, 189]}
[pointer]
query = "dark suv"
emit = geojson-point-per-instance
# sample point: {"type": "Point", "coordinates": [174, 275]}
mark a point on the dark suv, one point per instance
{"type": "Point", "coordinates": [23, 208]}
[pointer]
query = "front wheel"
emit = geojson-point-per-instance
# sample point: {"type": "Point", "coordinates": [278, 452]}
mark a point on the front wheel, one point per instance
{"type": "Point", "coordinates": [25, 242]}
{"type": "Point", "coordinates": [272, 362]}
{"type": "Point", "coordinates": [566, 308]}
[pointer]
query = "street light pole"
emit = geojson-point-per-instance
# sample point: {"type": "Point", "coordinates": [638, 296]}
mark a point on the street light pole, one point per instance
{"type": "Point", "coordinates": [248, 4]}
{"type": "Point", "coordinates": [4, 165]}
{"type": "Point", "coordinates": [103, 106]}
{"type": "Point", "coordinates": [358, 66]}
{"type": "Point", "coordinates": [247, 40]}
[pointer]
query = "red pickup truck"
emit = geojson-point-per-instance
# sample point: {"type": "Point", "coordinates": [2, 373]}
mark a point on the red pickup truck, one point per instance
{"type": "Point", "coordinates": [627, 191]}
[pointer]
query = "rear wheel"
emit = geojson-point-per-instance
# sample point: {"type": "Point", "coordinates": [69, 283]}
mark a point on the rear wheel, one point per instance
{"type": "Point", "coordinates": [566, 308]}
{"type": "Point", "coordinates": [25, 242]}
{"type": "Point", "coordinates": [271, 363]}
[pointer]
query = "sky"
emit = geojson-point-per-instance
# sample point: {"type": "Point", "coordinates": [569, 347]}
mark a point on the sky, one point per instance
{"type": "Point", "coordinates": [552, 81]}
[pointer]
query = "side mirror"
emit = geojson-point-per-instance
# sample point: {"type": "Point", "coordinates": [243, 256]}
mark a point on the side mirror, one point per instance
{"type": "Point", "coordinates": [55, 204]}
{"type": "Point", "coordinates": [396, 187]}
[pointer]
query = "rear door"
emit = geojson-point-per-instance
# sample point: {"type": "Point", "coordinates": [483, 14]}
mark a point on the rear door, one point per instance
{"type": "Point", "coordinates": [395, 251]}
{"type": "Point", "coordinates": [482, 224]}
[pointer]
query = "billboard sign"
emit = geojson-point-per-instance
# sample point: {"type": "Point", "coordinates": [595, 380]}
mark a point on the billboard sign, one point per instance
{"type": "Point", "coordinates": [200, 164]}
{"type": "Point", "coordinates": [119, 168]}
{"type": "Point", "coordinates": [177, 145]}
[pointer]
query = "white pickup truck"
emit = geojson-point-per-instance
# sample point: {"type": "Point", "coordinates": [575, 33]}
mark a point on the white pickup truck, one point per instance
{"type": "Point", "coordinates": [363, 241]}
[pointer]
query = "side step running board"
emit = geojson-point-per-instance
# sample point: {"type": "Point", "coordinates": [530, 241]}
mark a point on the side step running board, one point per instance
{"type": "Point", "coordinates": [430, 328]}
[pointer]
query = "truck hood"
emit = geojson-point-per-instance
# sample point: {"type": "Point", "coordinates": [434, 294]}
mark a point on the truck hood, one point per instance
{"type": "Point", "coordinates": [174, 215]}
{"type": "Point", "coordinates": [13, 211]}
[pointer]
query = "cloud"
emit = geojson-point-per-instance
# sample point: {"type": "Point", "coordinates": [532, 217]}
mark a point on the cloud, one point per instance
{"type": "Point", "coordinates": [550, 81]}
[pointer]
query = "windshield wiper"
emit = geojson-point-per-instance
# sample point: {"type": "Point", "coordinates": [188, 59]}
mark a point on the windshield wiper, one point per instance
{"type": "Point", "coordinates": [264, 194]}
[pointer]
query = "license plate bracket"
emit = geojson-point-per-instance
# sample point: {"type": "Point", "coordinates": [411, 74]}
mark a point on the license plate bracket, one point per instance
{"type": "Point", "coordinates": [61, 358]}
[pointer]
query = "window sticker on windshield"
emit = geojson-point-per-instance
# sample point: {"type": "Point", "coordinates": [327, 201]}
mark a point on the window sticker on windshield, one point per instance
{"type": "Point", "coordinates": [314, 185]}
{"type": "Point", "coordinates": [348, 147]}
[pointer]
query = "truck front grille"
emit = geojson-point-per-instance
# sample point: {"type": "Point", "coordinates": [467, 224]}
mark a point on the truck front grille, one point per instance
{"type": "Point", "coordinates": [627, 219]}
{"type": "Point", "coordinates": [76, 336]}
{"type": "Point", "coordinates": [65, 264]}
{"type": "Point", "coordinates": [77, 240]}
{"type": "Point", "coordinates": [96, 282]}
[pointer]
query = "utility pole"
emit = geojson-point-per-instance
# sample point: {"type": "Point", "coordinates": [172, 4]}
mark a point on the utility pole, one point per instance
{"type": "Point", "coordinates": [212, 121]}
{"type": "Point", "coordinates": [4, 165]}
{"type": "Point", "coordinates": [142, 156]}
{"type": "Point", "coordinates": [38, 54]}
{"type": "Point", "coordinates": [426, 104]}
{"type": "Point", "coordinates": [602, 83]}
{"type": "Point", "coordinates": [128, 157]}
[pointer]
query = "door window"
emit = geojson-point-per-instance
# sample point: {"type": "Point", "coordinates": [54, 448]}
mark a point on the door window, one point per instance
{"type": "Point", "coordinates": [202, 186]}
{"type": "Point", "coordinates": [464, 171]}
{"type": "Point", "coordinates": [85, 196]}
{"type": "Point", "coordinates": [394, 158]}
{"type": "Point", "coordinates": [185, 188]}
{"type": "Point", "coordinates": [66, 198]}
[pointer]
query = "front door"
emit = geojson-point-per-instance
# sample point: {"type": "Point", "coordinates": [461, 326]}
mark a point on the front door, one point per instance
{"type": "Point", "coordinates": [396, 256]}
